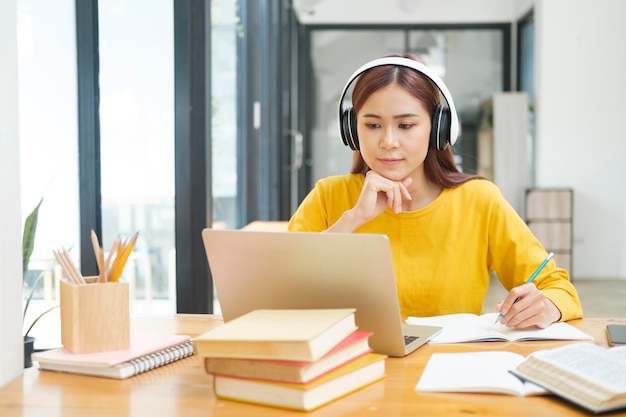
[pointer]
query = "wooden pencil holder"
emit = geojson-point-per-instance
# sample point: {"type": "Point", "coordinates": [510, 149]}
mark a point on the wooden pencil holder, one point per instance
{"type": "Point", "coordinates": [95, 317]}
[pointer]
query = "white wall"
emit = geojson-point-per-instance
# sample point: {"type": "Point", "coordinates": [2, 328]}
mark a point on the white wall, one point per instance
{"type": "Point", "coordinates": [581, 107]}
{"type": "Point", "coordinates": [11, 341]}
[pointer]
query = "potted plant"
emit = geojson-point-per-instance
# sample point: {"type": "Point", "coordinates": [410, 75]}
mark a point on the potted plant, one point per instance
{"type": "Point", "coordinates": [28, 244]}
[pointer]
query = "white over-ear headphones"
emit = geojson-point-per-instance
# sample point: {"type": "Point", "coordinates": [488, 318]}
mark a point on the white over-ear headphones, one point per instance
{"type": "Point", "coordinates": [445, 122]}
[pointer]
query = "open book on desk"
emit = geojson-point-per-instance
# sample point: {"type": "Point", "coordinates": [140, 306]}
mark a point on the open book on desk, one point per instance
{"type": "Point", "coordinates": [586, 374]}
{"type": "Point", "coordinates": [478, 372]}
{"type": "Point", "coordinates": [459, 328]}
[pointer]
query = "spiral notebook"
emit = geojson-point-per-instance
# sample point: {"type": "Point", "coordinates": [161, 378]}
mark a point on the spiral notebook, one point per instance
{"type": "Point", "coordinates": [146, 352]}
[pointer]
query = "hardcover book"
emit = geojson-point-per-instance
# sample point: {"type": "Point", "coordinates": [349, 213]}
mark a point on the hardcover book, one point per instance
{"type": "Point", "coordinates": [353, 346]}
{"type": "Point", "coordinates": [297, 335]}
{"type": "Point", "coordinates": [304, 397]}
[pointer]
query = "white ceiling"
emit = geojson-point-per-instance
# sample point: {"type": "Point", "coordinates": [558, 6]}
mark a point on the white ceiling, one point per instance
{"type": "Point", "coordinates": [409, 11]}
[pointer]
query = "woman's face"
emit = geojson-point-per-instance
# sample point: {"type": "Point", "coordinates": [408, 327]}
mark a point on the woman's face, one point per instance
{"type": "Point", "coordinates": [394, 132]}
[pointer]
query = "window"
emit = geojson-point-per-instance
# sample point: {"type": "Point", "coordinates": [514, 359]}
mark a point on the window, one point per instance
{"type": "Point", "coordinates": [137, 144]}
{"type": "Point", "coordinates": [225, 29]}
{"type": "Point", "coordinates": [144, 70]}
{"type": "Point", "coordinates": [48, 147]}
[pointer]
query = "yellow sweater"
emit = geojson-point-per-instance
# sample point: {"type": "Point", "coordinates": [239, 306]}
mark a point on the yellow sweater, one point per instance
{"type": "Point", "coordinates": [443, 253]}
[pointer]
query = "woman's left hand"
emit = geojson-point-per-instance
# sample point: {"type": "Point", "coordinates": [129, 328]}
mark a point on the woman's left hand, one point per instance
{"type": "Point", "coordinates": [526, 306]}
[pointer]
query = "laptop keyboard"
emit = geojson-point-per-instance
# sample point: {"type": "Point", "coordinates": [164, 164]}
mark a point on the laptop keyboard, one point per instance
{"type": "Point", "coordinates": [408, 339]}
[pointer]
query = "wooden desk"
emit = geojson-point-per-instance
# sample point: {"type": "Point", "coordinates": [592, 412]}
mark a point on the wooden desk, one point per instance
{"type": "Point", "coordinates": [266, 226]}
{"type": "Point", "coordinates": [183, 389]}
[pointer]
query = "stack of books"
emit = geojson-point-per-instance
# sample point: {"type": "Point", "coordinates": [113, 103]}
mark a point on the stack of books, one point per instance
{"type": "Point", "coordinates": [295, 359]}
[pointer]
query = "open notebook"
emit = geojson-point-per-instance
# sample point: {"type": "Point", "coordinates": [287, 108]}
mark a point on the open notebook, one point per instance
{"type": "Point", "coordinates": [465, 327]}
{"type": "Point", "coordinates": [296, 270]}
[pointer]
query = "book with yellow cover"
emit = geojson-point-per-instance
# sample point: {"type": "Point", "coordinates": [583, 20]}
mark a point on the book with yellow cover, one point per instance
{"type": "Point", "coordinates": [293, 334]}
{"type": "Point", "coordinates": [304, 397]}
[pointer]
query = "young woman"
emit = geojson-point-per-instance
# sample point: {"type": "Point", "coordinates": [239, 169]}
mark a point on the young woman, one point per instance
{"type": "Point", "coordinates": [448, 231]}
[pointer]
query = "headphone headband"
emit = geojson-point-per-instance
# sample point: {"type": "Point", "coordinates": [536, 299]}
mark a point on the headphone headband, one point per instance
{"type": "Point", "coordinates": [419, 67]}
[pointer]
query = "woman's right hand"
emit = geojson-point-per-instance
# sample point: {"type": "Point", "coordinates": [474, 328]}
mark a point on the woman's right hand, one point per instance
{"type": "Point", "coordinates": [377, 194]}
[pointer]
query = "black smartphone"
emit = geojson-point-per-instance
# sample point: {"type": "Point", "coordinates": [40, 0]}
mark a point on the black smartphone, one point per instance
{"type": "Point", "coordinates": [616, 334]}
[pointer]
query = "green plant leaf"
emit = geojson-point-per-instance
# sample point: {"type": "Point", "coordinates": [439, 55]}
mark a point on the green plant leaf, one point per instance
{"type": "Point", "coordinates": [28, 238]}
{"type": "Point", "coordinates": [37, 319]}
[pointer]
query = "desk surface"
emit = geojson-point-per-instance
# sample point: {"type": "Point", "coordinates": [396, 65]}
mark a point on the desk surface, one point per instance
{"type": "Point", "coordinates": [182, 388]}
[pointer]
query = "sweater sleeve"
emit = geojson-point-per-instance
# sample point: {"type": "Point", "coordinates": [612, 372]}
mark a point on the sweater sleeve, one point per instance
{"type": "Point", "coordinates": [326, 203]}
{"type": "Point", "coordinates": [515, 253]}
{"type": "Point", "coordinates": [311, 216]}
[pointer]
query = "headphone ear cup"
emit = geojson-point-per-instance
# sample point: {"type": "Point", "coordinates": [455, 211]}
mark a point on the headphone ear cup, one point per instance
{"type": "Point", "coordinates": [343, 127]}
{"type": "Point", "coordinates": [348, 129]}
{"type": "Point", "coordinates": [441, 127]}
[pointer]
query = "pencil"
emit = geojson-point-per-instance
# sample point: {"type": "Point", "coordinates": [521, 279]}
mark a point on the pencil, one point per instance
{"type": "Point", "coordinates": [532, 278]}
{"type": "Point", "coordinates": [123, 253]}
{"type": "Point", "coordinates": [97, 252]}
{"type": "Point", "coordinates": [107, 262]}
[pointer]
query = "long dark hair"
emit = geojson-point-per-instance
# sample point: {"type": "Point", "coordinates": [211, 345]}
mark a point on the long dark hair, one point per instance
{"type": "Point", "coordinates": [439, 165]}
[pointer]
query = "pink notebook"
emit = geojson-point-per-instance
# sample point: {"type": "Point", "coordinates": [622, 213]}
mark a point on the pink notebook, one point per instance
{"type": "Point", "coordinates": [147, 351]}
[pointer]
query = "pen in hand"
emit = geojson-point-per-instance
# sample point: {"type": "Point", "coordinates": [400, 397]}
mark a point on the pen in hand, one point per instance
{"type": "Point", "coordinates": [531, 278]}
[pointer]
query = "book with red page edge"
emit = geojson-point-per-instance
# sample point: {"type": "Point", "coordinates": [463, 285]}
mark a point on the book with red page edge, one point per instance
{"type": "Point", "coordinates": [350, 348]}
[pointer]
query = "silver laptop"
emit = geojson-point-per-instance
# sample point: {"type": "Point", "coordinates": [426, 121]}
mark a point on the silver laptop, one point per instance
{"type": "Point", "coordinates": [283, 270]}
